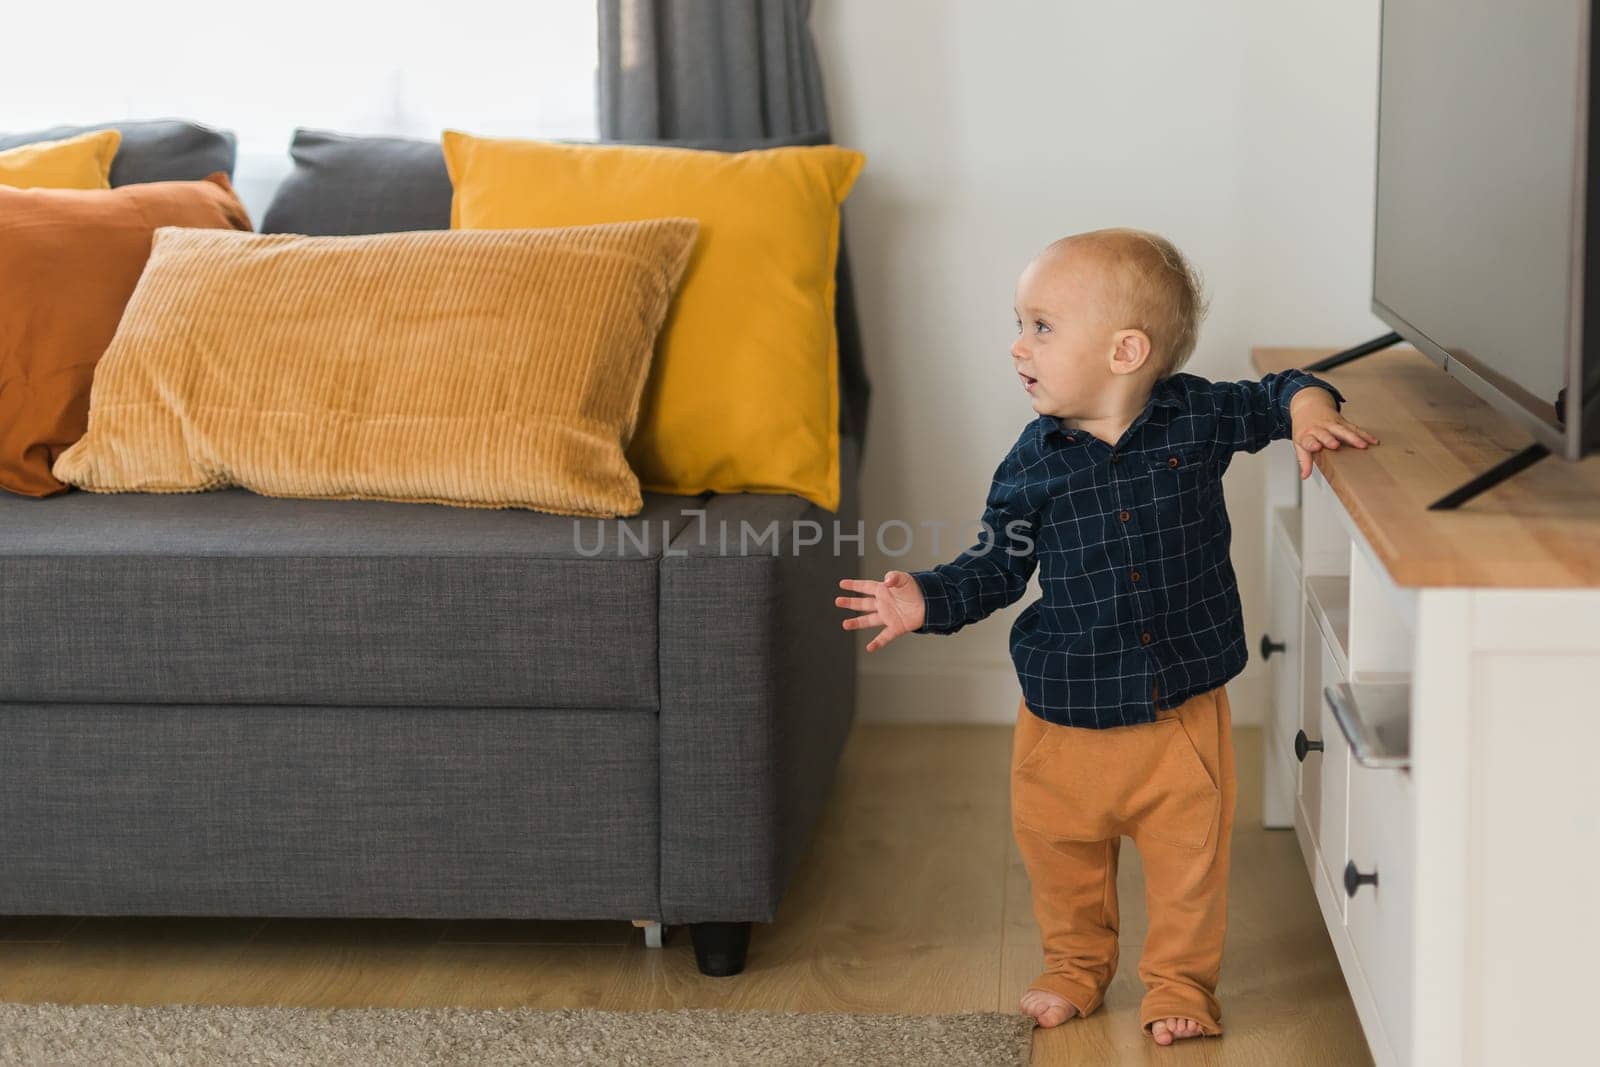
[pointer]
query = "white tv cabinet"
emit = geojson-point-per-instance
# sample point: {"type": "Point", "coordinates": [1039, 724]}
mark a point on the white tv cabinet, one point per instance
{"type": "Point", "coordinates": [1449, 810]}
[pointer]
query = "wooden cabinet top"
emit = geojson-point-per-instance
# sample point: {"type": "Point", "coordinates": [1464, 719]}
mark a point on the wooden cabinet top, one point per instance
{"type": "Point", "coordinates": [1539, 528]}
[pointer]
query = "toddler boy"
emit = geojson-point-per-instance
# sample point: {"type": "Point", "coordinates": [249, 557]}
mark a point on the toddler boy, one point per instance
{"type": "Point", "coordinates": [1114, 494]}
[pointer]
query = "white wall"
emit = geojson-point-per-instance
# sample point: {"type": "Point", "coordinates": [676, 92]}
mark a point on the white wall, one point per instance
{"type": "Point", "coordinates": [1241, 129]}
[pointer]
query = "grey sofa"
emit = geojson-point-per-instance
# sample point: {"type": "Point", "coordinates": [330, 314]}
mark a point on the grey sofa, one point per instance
{"type": "Point", "coordinates": [231, 704]}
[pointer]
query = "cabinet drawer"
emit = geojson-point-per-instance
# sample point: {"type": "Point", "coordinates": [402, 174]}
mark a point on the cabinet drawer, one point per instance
{"type": "Point", "coordinates": [1284, 623]}
{"type": "Point", "coordinates": [1308, 795]}
{"type": "Point", "coordinates": [1378, 916]}
{"type": "Point", "coordinates": [1317, 668]}
{"type": "Point", "coordinates": [1281, 772]}
{"type": "Point", "coordinates": [1333, 773]}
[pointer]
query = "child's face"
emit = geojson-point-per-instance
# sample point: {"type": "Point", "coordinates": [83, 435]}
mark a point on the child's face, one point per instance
{"type": "Point", "coordinates": [1065, 334]}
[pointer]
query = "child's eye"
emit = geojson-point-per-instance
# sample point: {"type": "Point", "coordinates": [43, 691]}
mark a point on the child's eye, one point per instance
{"type": "Point", "coordinates": [1041, 327]}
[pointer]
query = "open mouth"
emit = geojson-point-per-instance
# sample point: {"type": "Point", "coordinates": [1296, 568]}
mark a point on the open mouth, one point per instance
{"type": "Point", "coordinates": [1027, 382]}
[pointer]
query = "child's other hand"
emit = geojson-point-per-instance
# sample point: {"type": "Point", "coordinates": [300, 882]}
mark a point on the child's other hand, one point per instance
{"type": "Point", "coordinates": [1317, 424]}
{"type": "Point", "coordinates": [895, 604]}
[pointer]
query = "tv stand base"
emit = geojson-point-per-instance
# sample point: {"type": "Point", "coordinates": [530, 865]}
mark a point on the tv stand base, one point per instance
{"type": "Point", "coordinates": [1377, 344]}
{"type": "Point", "coordinates": [1488, 479]}
{"type": "Point", "coordinates": [1491, 477]}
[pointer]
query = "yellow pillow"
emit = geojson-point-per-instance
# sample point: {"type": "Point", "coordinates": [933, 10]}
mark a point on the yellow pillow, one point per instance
{"type": "Point", "coordinates": [81, 162]}
{"type": "Point", "coordinates": [744, 394]}
{"type": "Point", "coordinates": [482, 369]}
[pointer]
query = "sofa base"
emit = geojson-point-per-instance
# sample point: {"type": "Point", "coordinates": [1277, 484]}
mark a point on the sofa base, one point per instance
{"type": "Point", "coordinates": [127, 809]}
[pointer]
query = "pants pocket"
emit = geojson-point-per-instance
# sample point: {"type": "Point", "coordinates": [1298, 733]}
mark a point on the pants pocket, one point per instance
{"type": "Point", "coordinates": [1186, 798]}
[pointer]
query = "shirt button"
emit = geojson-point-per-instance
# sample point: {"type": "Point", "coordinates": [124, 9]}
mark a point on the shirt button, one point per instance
{"type": "Point", "coordinates": [1172, 461]}
{"type": "Point", "coordinates": [1116, 457]}
{"type": "Point", "coordinates": [1144, 638]}
{"type": "Point", "coordinates": [1123, 516]}
{"type": "Point", "coordinates": [1134, 576]}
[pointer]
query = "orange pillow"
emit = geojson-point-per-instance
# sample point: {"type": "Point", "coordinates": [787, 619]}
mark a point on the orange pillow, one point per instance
{"type": "Point", "coordinates": [69, 259]}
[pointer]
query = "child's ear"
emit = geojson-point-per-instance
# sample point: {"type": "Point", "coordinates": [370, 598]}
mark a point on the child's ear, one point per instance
{"type": "Point", "coordinates": [1130, 352]}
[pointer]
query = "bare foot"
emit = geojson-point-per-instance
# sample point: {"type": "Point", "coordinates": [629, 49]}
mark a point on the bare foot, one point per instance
{"type": "Point", "coordinates": [1049, 1009]}
{"type": "Point", "coordinates": [1166, 1031]}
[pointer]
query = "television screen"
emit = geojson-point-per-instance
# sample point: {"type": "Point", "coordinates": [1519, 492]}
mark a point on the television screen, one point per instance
{"type": "Point", "coordinates": [1479, 246]}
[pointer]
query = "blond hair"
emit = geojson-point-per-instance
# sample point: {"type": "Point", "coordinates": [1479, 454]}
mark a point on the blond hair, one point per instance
{"type": "Point", "coordinates": [1161, 293]}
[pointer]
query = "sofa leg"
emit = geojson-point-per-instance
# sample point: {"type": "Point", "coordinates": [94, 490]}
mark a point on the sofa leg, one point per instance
{"type": "Point", "coordinates": [654, 932]}
{"type": "Point", "coordinates": [720, 948]}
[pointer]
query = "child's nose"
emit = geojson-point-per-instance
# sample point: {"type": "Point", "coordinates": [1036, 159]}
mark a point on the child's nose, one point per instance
{"type": "Point", "coordinates": [1018, 349]}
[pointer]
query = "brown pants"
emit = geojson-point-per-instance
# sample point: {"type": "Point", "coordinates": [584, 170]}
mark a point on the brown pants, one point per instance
{"type": "Point", "coordinates": [1170, 786]}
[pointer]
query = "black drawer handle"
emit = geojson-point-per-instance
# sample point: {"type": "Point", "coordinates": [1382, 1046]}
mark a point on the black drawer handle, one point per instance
{"type": "Point", "coordinates": [1303, 744]}
{"type": "Point", "coordinates": [1354, 879]}
{"type": "Point", "coordinates": [1269, 646]}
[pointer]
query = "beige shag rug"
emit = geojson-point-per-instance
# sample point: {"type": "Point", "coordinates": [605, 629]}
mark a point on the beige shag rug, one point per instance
{"type": "Point", "coordinates": [110, 1035]}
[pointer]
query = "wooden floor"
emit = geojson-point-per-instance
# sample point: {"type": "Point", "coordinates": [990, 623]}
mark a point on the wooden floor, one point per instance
{"type": "Point", "coordinates": [913, 899]}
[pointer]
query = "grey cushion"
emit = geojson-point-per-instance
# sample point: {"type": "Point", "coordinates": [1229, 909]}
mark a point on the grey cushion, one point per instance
{"type": "Point", "coordinates": [157, 150]}
{"type": "Point", "coordinates": [344, 184]}
{"type": "Point", "coordinates": [233, 598]}
{"type": "Point", "coordinates": [356, 185]}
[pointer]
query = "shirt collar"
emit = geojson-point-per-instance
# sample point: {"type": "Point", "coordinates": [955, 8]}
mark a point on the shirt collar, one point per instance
{"type": "Point", "coordinates": [1164, 394]}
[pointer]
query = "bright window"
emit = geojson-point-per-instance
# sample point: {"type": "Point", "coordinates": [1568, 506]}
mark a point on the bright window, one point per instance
{"type": "Point", "coordinates": [360, 66]}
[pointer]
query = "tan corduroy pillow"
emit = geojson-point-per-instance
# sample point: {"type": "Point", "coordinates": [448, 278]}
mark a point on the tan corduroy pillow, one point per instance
{"type": "Point", "coordinates": [491, 368]}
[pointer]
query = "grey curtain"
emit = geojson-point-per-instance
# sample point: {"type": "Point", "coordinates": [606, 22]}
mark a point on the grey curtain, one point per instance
{"type": "Point", "coordinates": [700, 69]}
{"type": "Point", "coordinates": [727, 74]}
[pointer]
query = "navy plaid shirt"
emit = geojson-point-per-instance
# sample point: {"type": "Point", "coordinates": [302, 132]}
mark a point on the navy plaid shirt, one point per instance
{"type": "Point", "coordinates": [1139, 602]}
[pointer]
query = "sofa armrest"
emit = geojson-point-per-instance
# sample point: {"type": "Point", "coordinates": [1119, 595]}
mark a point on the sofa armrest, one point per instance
{"type": "Point", "coordinates": [757, 696]}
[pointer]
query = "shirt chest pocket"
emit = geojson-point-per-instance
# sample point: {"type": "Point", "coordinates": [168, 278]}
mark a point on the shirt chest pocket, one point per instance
{"type": "Point", "coordinates": [1179, 484]}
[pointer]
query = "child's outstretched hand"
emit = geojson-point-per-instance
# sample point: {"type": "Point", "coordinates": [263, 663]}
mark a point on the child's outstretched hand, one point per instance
{"type": "Point", "coordinates": [895, 604]}
{"type": "Point", "coordinates": [1316, 424]}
